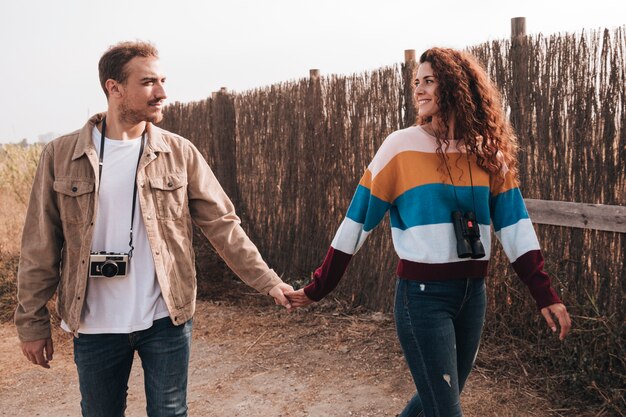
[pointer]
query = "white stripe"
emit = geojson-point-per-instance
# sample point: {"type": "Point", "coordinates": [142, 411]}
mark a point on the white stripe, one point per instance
{"type": "Point", "coordinates": [434, 243]}
{"type": "Point", "coordinates": [413, 138]}
{"type": "Point", "coordinates": [518, 239]}
{"type": "Point", "coordinates": [349, 237]}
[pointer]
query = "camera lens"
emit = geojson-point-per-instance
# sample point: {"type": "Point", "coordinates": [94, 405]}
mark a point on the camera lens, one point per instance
{"type": "Point", "coordinates": [109, 269]}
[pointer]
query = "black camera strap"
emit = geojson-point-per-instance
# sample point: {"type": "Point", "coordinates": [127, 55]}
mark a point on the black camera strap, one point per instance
{"type": "Point", "coordinates": [444, 157]}
{"type": "Point", "coordinates": [132, 216]}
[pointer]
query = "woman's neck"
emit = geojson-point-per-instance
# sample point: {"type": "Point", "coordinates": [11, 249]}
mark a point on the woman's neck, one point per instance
{"type": "Point", "coordinates": [439, 128]}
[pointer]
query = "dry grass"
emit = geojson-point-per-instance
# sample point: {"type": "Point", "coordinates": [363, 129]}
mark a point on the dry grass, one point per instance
{"type": "Point", "coordinates": [17, 170]}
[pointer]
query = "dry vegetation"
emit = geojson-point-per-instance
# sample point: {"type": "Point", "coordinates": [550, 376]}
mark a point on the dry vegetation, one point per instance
{"type": "Point", "coordinates": [17, 168]}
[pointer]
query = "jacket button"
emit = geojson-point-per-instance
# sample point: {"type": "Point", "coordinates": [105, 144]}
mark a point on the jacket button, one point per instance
{"type": "Point", "coordinates": [74, 189]}
{"type": "Point", "coordinates": [169, 184]}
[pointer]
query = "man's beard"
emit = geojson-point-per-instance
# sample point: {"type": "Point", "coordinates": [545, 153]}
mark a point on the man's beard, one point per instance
{"type": "Point", "coordinates": [134, 117]}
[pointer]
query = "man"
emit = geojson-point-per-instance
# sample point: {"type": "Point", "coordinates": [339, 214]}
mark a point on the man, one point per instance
{"type": "Point", "coordinates": [109, 226]}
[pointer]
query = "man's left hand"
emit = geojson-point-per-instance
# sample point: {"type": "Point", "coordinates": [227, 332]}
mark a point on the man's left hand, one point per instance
{"type": "Point", "coordinates": [278, 292]}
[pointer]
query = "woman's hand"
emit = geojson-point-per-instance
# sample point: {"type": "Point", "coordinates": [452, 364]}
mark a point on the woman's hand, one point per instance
{"type": "Point", "coordinates": [558, 310]}
{"type": "Point", "coordinates": [298, 298]}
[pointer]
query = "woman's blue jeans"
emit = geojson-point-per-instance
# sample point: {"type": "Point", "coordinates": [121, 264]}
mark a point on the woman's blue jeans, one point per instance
{"type": "Point", "coordinates": [439, 324]}
{"type": "Point", "coordinates": [104, 362]}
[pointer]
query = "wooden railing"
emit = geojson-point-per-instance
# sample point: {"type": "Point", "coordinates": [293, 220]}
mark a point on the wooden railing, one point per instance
{"type": "Point", "coordinates": [582, 215]}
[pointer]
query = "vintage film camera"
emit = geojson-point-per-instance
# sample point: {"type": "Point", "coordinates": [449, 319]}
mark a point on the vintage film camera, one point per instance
{"type": "Point", "coordinates": [108, 264]}
{"type": "Point", "coordinates": [467, 233]}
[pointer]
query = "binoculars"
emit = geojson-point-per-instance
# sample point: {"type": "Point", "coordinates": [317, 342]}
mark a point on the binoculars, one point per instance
{"type": "Point", "coordinates": [467, 233]}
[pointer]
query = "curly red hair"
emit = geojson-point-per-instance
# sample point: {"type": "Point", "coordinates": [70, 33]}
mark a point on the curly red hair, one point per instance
{"type": "Point", "coordinates": [467, 94]}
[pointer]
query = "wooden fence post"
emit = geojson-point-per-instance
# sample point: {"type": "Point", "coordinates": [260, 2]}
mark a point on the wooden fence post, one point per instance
{"type": "Point", "coordinates": [408, 72]}
{"type": "Point", "coordinates": [224, 141]}
{"type": "Point", "coordinates": [518, 56]}
{"type": "Point", "coordinates": [518, 27]}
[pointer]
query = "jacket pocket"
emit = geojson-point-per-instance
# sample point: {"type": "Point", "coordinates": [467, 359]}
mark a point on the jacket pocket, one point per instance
{"type": "Point", "coordinates": [170, 196]}
{"type": "Point", "coordinates": [75, 197]}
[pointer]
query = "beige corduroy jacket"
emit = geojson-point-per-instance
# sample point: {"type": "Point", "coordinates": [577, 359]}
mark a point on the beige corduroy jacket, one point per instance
{"type": "Point", "coordinates": [175, 187]}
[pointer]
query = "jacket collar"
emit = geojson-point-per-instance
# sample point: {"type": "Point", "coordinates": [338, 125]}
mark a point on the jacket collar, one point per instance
{"type": "Point", "coordinates": [155, 143]}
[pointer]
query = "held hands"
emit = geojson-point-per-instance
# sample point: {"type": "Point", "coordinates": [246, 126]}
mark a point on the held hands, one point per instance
{"type": "Point", "coordinates": [279, 291]}
{"type": "Point", "coordinates": [298, 298]}
{"type": "Point", "coordinates": [34, 351]}
{"type": "Point", "coordinates": [286, 296]}
{"type": "Point", "coordinates": [562, 316]}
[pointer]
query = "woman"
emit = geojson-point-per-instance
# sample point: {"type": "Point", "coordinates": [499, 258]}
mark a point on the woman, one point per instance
{"type": "Point", "coordinates": [444, 181]}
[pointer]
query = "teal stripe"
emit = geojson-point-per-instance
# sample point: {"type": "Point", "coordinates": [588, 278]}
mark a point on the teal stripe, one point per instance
{"type": "Point", "coordinates": [367, 209]}
{"type": "Point", "coordinates": [434, 203]}
{"type": "Point", "coordinates": [507, 208]}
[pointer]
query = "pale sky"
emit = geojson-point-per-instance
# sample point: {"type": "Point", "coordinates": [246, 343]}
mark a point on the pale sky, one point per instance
{"type": "Point", "coordinates": [50, 48]}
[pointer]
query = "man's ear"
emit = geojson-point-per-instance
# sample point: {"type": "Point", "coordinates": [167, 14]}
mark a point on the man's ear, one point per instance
{"type": "Point", "coordinates": [114, 88]}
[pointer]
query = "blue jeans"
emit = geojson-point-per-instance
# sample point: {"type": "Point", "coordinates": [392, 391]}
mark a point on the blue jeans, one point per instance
{"type": "Point", "coordinates": [439, 324]}
{"type": "Point", "coordinates": [104, 362]}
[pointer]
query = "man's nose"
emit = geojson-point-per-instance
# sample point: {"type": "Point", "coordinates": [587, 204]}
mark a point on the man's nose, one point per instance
{"type": "Point", "coordinates": [160, 92]}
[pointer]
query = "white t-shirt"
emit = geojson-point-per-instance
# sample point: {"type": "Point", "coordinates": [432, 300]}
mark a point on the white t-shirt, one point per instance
{"type": "Point", "coordinates": [121, 304]}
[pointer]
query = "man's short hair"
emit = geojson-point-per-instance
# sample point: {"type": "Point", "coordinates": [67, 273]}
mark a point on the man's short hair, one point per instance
{"type": "Point", "coordinates": [112, 64]}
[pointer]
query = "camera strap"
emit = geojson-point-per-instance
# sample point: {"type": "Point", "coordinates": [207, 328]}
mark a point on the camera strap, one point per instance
{"type": "Point", "coordinates": [444, 157]}
{"type": "Point", "coordinates": [132, 215]}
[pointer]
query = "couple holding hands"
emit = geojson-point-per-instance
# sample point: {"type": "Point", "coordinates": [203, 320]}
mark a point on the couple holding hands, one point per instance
{"type": "Point", "coordinates": [109, 230]}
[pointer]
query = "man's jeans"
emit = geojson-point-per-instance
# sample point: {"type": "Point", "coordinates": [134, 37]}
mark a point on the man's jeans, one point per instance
{"type": "Point", "coordinates": [104, 362]}
{"type": "Point", "coordinates": [439, 324]}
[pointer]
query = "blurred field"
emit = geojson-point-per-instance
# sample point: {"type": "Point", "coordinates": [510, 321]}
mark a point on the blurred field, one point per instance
{"type": "Point", "coordinates": [17, 169]}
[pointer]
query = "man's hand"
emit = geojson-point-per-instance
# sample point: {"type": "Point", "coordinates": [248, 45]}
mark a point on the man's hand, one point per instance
{"type": "Point", "coordinates": [298, 298]}
{"type": "Point", "coordinates": [562, 316]}
{"type": "Point", "coordinates": [34, 351]}
{"type": "Point", "coordinates": [278, 292]}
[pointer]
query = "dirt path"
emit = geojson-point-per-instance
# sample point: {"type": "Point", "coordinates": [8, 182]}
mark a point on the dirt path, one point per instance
{"type": "Point", "coordinates": [250, 358]}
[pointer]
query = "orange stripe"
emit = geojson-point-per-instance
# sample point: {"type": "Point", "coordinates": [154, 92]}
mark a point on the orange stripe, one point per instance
{"type": "Point", "coordinates": [498, 187]}
{"type": "Point", "coordinates": [366, 179]}
{"type": "Point", "coordinates": [411, 169]}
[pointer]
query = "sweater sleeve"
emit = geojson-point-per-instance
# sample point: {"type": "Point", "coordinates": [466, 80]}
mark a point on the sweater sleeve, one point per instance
{"type": "Point", "coordinates": [515, 232]}
{"type": "Point", "coordinates": [365, 212]}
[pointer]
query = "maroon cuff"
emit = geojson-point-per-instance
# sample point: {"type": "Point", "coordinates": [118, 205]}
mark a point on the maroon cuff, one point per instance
{"type": "Point", "coordinates": [327, 276]}
{"type": "Point", "coordinates": [529, 267]}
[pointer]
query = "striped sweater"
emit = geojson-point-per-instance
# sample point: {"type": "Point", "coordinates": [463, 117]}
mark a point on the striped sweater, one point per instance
{"type": "Point", "coordinates": [404, 179]}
